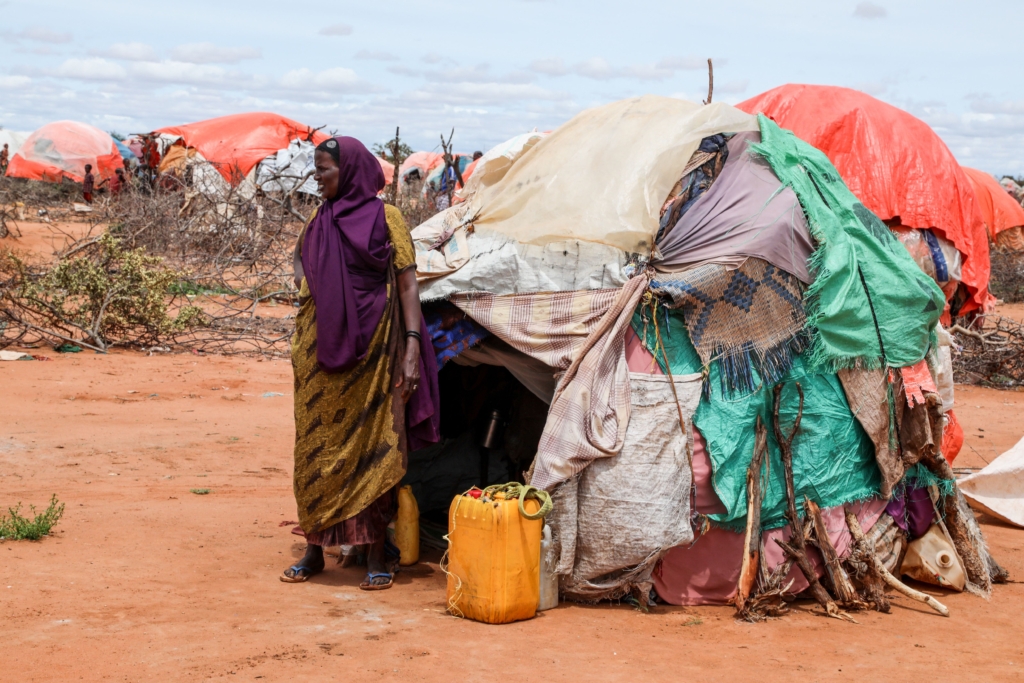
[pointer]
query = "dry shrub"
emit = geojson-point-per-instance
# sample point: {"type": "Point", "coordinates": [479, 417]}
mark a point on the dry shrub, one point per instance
{"type": "Point", "coordinates": [103, 295]}
{"type": "Point", "coordinates": [207, 258]}
{"type": "Point", "coordinates": [1007, 281]}
{"type": "Point", "coordinates": [992, 352]}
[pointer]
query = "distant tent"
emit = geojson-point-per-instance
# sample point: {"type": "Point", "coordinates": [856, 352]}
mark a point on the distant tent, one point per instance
{"type": "Point", "coordinates": [235, 144]}
{"type": "Point", "coordinates": [893, 162]}
{"type": "Point", "coordinates": [62, 149]}
{"type": "Point", "coordinates": [13, 139]}
{"type": "Point", "coordinates": [126, 153]}
{"type": "Point", "coordinates": [1000, 211]}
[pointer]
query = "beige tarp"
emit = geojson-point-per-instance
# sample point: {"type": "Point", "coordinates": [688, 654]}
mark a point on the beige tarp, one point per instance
{"type": "Point", "coordinates": [604, 175]}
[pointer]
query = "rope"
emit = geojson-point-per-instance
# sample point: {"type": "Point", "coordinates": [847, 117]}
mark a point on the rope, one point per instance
{"type": "Point", "coordinates": [514, 489]}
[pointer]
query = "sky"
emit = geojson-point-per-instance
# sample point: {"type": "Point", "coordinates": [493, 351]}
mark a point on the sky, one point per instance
{"type": "Point", "coordinates": [491, 69]}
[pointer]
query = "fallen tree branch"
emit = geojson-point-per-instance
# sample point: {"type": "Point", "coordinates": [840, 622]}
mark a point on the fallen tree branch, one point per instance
{"type": "Point", "coordinates": [867, 555]}
{"type": "Point", "coordinates": [843, 588]}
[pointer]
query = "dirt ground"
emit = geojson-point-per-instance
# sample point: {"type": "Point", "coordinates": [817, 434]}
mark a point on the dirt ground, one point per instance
{"type": "Point", "coordinates": [144, 580]}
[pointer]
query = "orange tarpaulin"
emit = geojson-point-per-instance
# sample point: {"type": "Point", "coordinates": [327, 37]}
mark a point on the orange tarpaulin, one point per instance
{"type": "Point", "coordinates": [389, 170]}
{"type": "Point", "coordinates": [62, 149]}
{"type": "Point", "coordinates": [999, 210]}
{"type": "Point", "coordinates": [235, 144]}
{"type": "Point", "coordinates": [425, 161]}
{"type": "Point", "coordinates": [895, 164]}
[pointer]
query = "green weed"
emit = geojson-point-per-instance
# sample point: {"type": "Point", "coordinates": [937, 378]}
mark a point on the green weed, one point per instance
{"type": "Point", "coordinates": [15, 527]}
{"type": "Point", "coordinates": [199, 492]}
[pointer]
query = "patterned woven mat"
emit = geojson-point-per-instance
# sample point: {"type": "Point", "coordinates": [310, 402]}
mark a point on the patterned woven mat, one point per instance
{"type": "Point", "coordinates": [749, 318]}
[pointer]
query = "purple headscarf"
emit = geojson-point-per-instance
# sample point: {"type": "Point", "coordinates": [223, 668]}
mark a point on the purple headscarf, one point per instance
{"type": "Point", "coordinates": [345, 256]}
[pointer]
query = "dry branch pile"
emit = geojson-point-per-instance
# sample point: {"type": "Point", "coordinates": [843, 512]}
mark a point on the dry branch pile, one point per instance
{"type": "Point", "coordinates": [992, 352]}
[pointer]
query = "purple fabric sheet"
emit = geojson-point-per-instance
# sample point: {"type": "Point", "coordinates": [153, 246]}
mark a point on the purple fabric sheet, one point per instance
{"type": "Point", "coordinates": [747, 212]}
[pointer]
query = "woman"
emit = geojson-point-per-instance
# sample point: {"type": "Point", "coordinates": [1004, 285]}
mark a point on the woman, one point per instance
{"type": "Point", "coordinates": [365, 374]}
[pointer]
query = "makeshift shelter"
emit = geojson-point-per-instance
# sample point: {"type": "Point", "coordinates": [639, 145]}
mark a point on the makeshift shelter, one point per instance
{"type": "Point", "coordinates": [897, 166]}
{"type": "Point", "coordinates": [13, 139]}
{"type": "Point", "coordinates": [235, 144]}
{"type": "Point", "coordinates": [61, 150]}
{"type": "Point", "coordinates": [647, 282]}
{"type": "Point", "coordinates": [1001, 212]}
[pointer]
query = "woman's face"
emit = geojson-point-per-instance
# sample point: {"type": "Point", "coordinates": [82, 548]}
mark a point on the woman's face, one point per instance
{"type": "Point", "coordinates": [326, 175]}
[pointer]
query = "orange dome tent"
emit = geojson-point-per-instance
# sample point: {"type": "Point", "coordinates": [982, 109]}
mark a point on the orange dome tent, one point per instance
{"type": "Point", "coordinates": [62, 149]}
{"type": "Point", "coordinates": [895, 164]}
{"type": "Point", "coordinates": [235, 144]}
{"type": "Point", "coordinates": [999, 210]}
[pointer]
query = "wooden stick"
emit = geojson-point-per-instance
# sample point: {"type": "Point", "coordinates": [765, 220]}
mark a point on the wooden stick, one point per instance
{"type": "Point", "coordinates": [711, 81]}
{"type": "Point", "coordinates": [797, 548]}
{"type": "Point", "coordinates": [752, 539]}
{"type": "Point", "coordinates": [867, 554]}
{"type": "Point", "coordinates": [840, 580]}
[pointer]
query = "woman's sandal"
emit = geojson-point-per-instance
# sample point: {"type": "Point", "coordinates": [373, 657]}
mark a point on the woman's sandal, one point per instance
{"type": "Point", "coordinates": [300, 573]}
{"type": "Point", "coordinates": [368, 585]}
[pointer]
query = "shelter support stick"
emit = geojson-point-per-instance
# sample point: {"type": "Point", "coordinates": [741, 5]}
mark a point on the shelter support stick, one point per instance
{"type": "Point", "coordinates": [752, 538]}
{"type": "Point", "coordinates": [797, 547]}
{"type": "Point", "coordinates": [867, 554]}
{"type": "Point", "coordinates": [842, 586]}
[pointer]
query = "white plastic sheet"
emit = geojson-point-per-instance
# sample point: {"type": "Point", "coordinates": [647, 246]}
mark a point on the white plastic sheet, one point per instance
{"type": "Point", "coordinates": [289, 169]}
{"type": "Point", "coordinates": [998, 488]}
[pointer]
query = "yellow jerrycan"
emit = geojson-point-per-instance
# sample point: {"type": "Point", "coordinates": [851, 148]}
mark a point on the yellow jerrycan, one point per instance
{"type": "Point", "coordinates": [407, 527]}
{"type": "Point", "coordinates": [493, 560]}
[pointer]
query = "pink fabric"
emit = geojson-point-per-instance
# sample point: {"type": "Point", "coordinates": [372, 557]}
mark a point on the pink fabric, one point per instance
{"type": "Point", "coordinates": [638, 358]}
{"type": "Point", "coordinates": [706, 572]}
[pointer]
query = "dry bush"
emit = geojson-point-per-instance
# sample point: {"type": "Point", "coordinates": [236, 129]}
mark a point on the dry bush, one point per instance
{"type": "Point", "coordinates": [223, 254]}
{"type": "Point", "coordinates": [992, 352]}
{"type": "Point", "coordinates": [1007, 281]}
{"type": "Point", "coordinates": [101, 296]}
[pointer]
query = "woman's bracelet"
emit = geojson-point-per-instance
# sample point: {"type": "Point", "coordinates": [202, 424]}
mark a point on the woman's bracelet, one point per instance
{"type": "Point", "coordinates": [413, 333]}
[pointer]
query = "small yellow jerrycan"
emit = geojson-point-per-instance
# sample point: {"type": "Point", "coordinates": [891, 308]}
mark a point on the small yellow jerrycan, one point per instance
{"type": "Point", "coordinates": [407, 527]}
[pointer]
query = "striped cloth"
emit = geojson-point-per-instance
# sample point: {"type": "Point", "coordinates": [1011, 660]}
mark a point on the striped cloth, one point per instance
{"type": "Point", "coordinates": [590, 411]}
{"type": "Point", "coordinates": [551, 327]}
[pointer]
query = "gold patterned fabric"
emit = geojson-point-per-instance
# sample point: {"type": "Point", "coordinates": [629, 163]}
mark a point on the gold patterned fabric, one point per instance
{"type": "Point", "coordinates": [350, 446]}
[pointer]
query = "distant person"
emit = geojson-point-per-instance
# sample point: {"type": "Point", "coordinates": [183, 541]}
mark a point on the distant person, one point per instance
{"type": "Point", "coordinates": [364, 394]}
{"type": "Point", "coordinates": [117, 182]}
{"type": "Point", "coordinates": [88, 184]}
{"type": "Point", "coordinates": [5, 156]}
{"type": "Point", "coordinates": [477, 155]}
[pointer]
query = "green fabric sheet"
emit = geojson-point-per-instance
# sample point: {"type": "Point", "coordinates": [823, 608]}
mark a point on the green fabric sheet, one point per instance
{"type": "Point", "coordinates": [833, 458]}
{"type": "Point", "coordinates": [863, 275]}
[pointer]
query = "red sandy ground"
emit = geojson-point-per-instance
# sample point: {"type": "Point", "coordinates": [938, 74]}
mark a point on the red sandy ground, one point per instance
{"type": "Point", "coordinates": [143, 580]}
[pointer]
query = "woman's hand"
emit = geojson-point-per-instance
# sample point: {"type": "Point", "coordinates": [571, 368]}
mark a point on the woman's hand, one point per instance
{"type": "Point", "coordinates": [409, 375]}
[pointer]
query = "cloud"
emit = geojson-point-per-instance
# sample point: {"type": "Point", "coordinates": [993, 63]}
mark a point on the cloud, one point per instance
{"type": "Point", "coordinates": [329, 82]}
{"type": "Point", "coordinates": [405, 71]}
{"type": "Point", "coordinates": [481, 73]}
{"type": "Point", "coordinates": [432, 58]}
{"type": "Point", "coordinates": [132, 52]}
{"type": "Point", "coordinates": [869, 10]}
{"type": "Point", "coordinates": [14, 82]}
{"type": "Point", "coordinates": [91, 69]}
{"type": "Point", "coordinates": [733, 87]}
{"type": "Point", "coordinates": [336, 30]}
{"type": "Point", "coordinates": [480, 94]}
{"type": "Point", "coordinates": [552, 66]}
{"type": "Point", "coordinates": [377, 55]}
{"type": "Point", "coordinates": [208, 53]}
{"type": "Point", "coordinates": [40, 34]}
{"type": "Point", "coordinates": [684, 63]}
{"type": "Point", "coordinates": [598, 68]}
{"type": "Point", "coordinates": [186, 73]}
